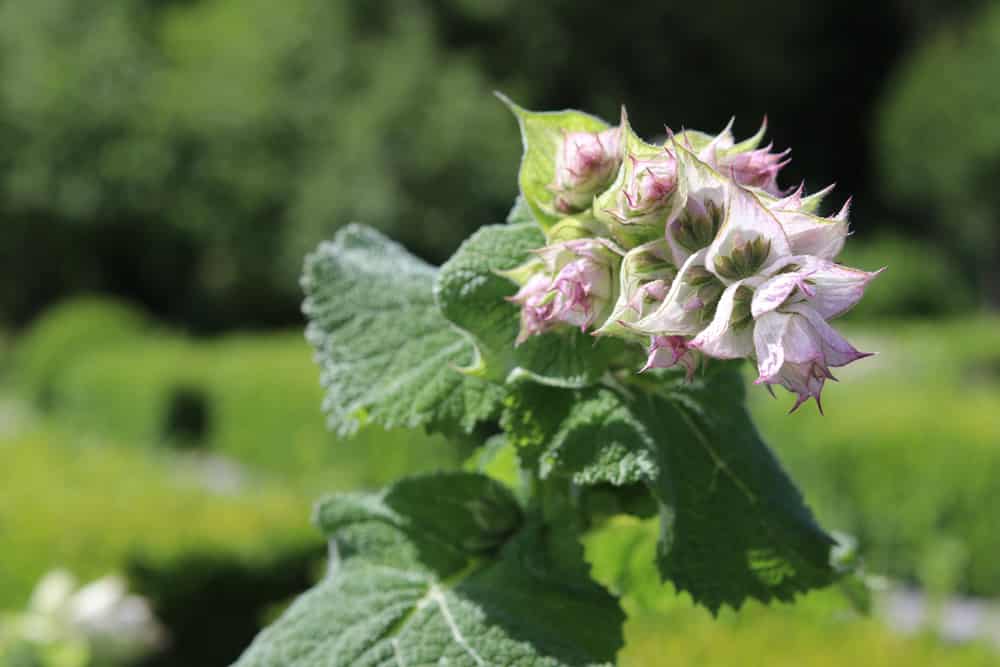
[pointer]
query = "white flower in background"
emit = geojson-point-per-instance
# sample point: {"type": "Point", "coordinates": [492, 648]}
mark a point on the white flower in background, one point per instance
{"type": "Point", "coordinates": [101, 622]}
{"type": "Point", "coordinates": [116, 623]}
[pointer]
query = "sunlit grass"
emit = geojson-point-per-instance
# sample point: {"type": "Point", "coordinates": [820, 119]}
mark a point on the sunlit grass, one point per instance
{"type": "Point", "coordinates": [81, 503]}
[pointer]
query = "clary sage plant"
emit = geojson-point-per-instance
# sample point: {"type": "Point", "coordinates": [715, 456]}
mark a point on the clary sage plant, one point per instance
{"type": "Point", "coordinates": [595, 335]}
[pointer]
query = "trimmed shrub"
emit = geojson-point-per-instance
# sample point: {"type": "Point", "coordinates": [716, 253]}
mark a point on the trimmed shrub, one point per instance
{"type": "Point", "coordinates": [920, 280]}
{"type": "Point", "coordinates": [907, 459]}
{"type": "Point", "coordinates": [188, 534]}
{"type": "Point", "coordinates": [67, 333]}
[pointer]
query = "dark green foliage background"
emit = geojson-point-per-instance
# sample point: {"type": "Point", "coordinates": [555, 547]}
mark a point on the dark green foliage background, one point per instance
{"type": "Point", "coordinates": [186, 154]}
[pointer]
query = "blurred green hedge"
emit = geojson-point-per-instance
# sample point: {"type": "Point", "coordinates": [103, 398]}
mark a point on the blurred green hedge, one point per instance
{"type": "Point", "coordinates": [190, 153]}
{"type": "Point", "coordinates": [91, 506]}
{"type": "Point", "coordinates": [70, 331]}
{"type": "Point", "coordinates": [907, 457]}
{"type": "Point", "coordinates": [920, 279]}
{"type": "Point", "coordinates": [256, 399]}
{"type": "Point", "coordinates": [819, 629]}
{"type": "Point", "coordinates": [938, 141]}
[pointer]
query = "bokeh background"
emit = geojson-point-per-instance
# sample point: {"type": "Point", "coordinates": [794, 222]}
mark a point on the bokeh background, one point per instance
{"type": "Point", "coordinates": [165, 165]}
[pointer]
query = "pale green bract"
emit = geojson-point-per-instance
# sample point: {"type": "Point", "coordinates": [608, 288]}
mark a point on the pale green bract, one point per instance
{"type": "Point", "coordinates": [540, 135]}
{"type": "Point", "coordinates": [461, 569]}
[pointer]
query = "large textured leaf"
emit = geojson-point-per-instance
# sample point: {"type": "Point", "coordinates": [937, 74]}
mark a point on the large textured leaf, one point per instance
{"type": "Point", "coordinates": [602, 441]}
{"type": "Point", "coordinates": [541, 134]}
{"type": "Point", "coordinates": [473, 296]}
{"type": "Point", "coordinates": [589, 435]}
{"type": "Point", "coordinates": [733, 524]}
{"type": "Point", "coordinates": [432, 572]}
{"type": "Point", "coordinates": [385, 352]}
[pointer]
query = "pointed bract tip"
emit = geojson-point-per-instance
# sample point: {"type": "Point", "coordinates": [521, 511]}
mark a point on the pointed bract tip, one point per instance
{"type": "Point", "coordinates": [844, 210]}
{"type": "Point", "coordinates": [514, 107]}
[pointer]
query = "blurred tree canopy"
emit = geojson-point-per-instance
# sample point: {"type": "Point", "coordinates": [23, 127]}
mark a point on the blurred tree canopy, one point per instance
{"type": "Point", "coordinates": [940, 141]}
{"type": "Point", "coordinates": [186, 153]}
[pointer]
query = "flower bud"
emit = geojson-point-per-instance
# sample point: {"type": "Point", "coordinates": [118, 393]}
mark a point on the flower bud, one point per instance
{"type": "Point", "coordinates": [744, 162]}
{"type": "Point", "coordinates": [755, 169]}
{"type": "Point", "coordinates": [586, 163]}
{"type": "Point", "coordinates": [577, 286]}
{"type": "Point", "coordinates": [647, 188]}
{"type": "Point", "coordinates": [569, 158]}
{"type": "Point", "coordinates": [645, 193]}
{"type": "Point", "coordinates": [668, 351]}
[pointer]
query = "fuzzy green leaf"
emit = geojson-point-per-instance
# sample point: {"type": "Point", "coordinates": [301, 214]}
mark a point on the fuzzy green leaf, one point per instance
{"type": "Point", "coordinates": [734, 525]}
{"type": "Point", "coordinates": [541, 135]}
{"type": "Point", "coordinates": [601, 441]}
{"type": "Point", "coordinates": [386, 353]}
{"type": "Point", "coordinates": [431, 572]}
{"type": "Point", "coordinates": [473, 296]}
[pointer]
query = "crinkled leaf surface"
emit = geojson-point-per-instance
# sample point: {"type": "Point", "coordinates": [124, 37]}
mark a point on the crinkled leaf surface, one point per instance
{"type": "Point", "coordinates": [733, 525]}
{"type": "Point", "coordinates": [438, 570]}
{"type": "Point", "coordinates": [473, 296]}
{"type": "Point", "coordinates": [386, 353]}
{"type": "Point", "coordinates": [602, 441]}
{"type": "Point", "coordinates": [541, 134]}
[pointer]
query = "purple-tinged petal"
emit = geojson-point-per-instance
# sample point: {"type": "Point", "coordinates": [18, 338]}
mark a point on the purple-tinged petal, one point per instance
{"type": "Point", "coordinates": [668, 351]}
{"type": "Point", "coordinates": [811, 235]}
{"type": "Point", "coordinates": [671, 317]}
{"type": "Point", "coordinates": [836, 350]}
{"type": "Point", "coordinates": [776, 291]}
{"type": "Point", "coordinates": [748, 226]}
{"type": "Point", "coordinates": [831, 289]}
{"type": "Point", "coordinates": [694, 226]}
{"type": "Point", "coordinates": [644, 279]}
{"type": "Point", "coordinates": [536, 301]}
{"type": "Point", "coordinates": [723, 338]}
{"type": "Point", "coordinates": [796, 348]}
{"type": "Point", "coordinates": [586, 163]}
{"type": "Point", "coordinates": [838, 288]}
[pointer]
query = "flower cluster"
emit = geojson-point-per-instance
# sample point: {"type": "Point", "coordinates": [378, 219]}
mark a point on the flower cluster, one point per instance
{"type": "Point", "coordinates": [691, 248]}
